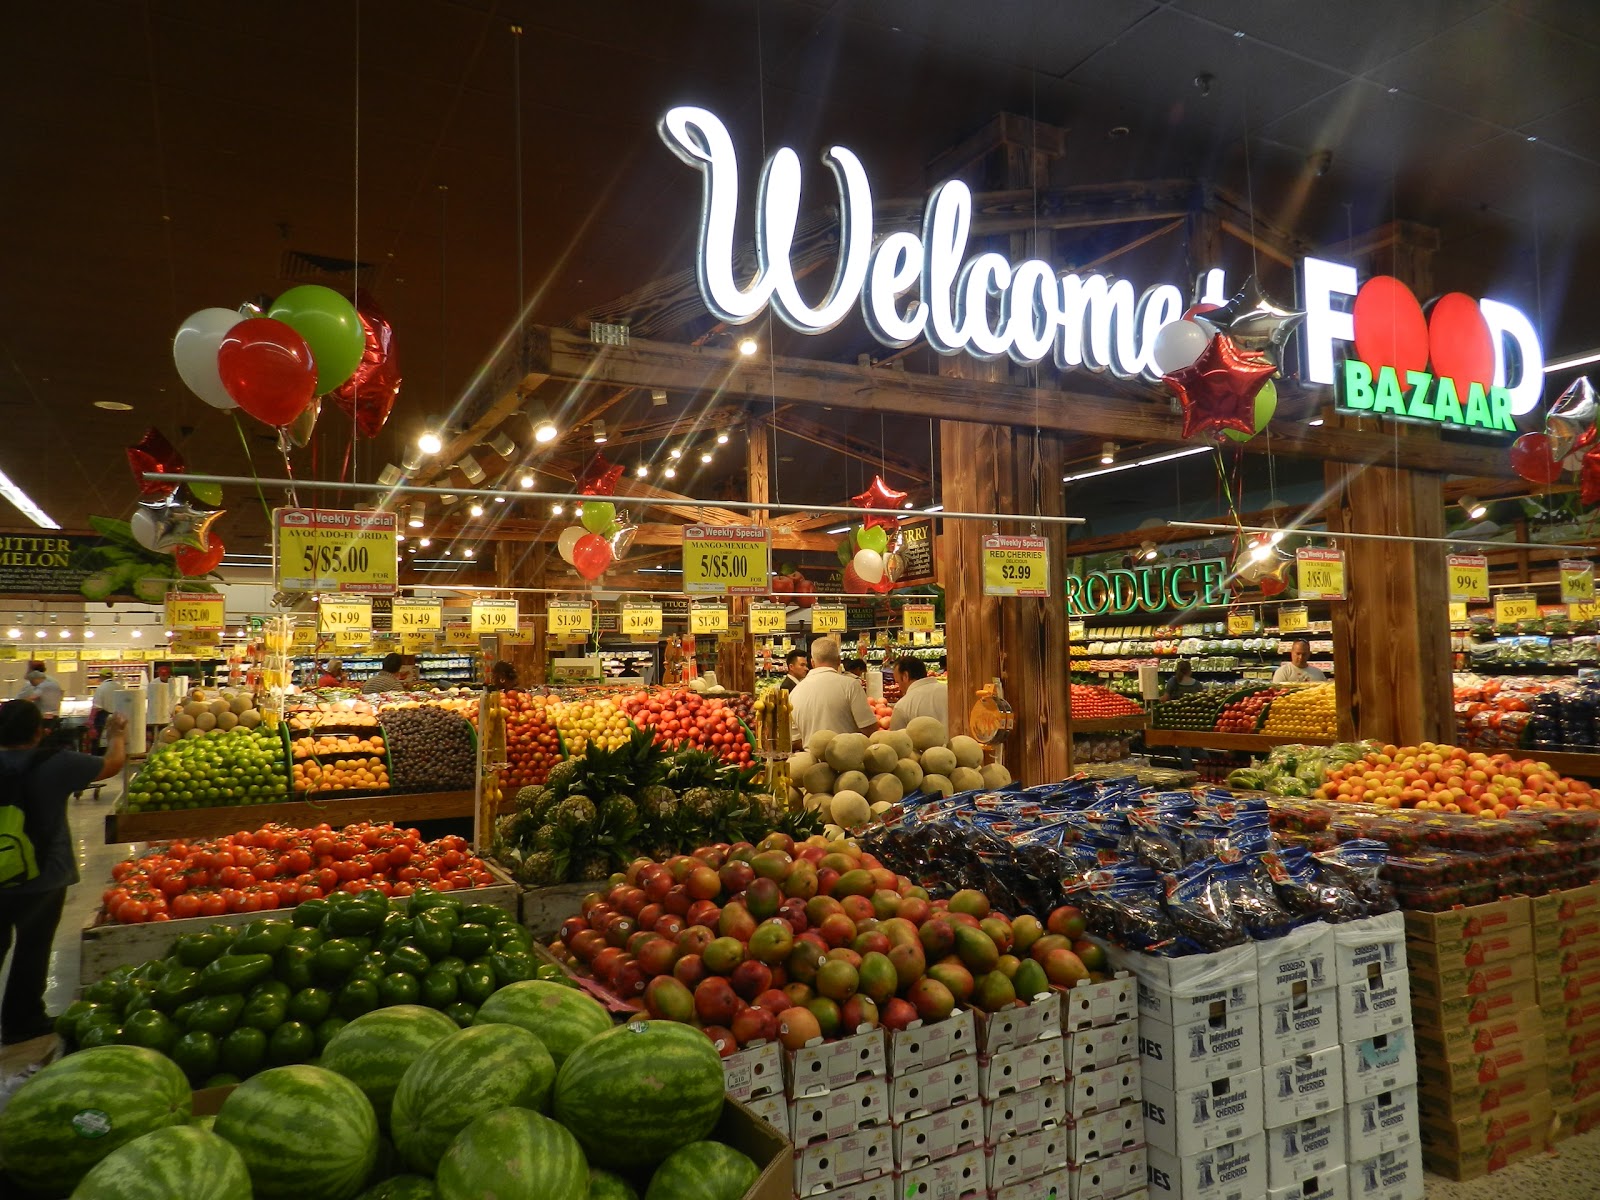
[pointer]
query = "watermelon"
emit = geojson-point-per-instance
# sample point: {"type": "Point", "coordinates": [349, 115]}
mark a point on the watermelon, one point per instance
{"type": "Point", "coordinates": [470, 1072]}
{"type": "Point", "coordinates": [78, 1110]}
{"type": "Point", "coordinates": [561, 1017]}
{"type": "Point", "coordinates": [603, 1185]}
{"type": "Point", "coordinates": [304, 1133]}
{"type": "Point", "coordinates": [637, 1092]}
{"type": "Point", "coordinates": [180, 1160]}
{"type": "Point", "coordinates": [513, 1152]}
{"type": "Point", "coordinates": [374, 1050]}
{"type": "Point", "coordinates": [402, 1187]}
{"type": "Point", "coordinates": [703, 1171]}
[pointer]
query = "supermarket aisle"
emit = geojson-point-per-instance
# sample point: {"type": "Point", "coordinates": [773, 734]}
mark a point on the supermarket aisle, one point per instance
{"type": "Point", "coordinates": [1571, 1172]}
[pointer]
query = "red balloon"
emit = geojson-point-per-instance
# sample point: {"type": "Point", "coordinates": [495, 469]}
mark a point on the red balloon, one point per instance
{"type": "Point", "coordinates": [1530, 458]}
{"type": "Point", "coordinates": [154, 454]}
{"type": "Point", "coordinates": [1461, 347]}
{"type": "Point", "coordinates": [1589, 478]}
{"type": "Point", "coordinates": [804, 592]}
{"type": "Point", "coordinates": [853, 582]}
{"type": "Point", "coordinates": [880, 496]}
{"type": "Point", "coordinates": [591, 555]}
{"type": "Point", "coordinates": [1390, 328]}
{"type": "Point", "coordinates": [268, 370]}
{"type": "Point", "coordinates": [200, 562]}
{"type": "Point", "coordinates": [368, 396]}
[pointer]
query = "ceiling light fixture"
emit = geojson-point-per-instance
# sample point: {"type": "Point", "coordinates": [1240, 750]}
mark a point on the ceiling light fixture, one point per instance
{"type": "Point", "coordinates": [1475, 509]}
{"type": "Point", "coordinates": [675, 453]}
{"type": "Point", "coordinates": [425, 542]}
{"type": "Point", "coordinates": [24, 503]}
{"type": "Point", "coordinates": [1147, 550]}
{"type": "Point", "coordinates": [470, 468]}
{"type": "Point", "coordinates": [499, 499]}
{"type": "Point", "coordinates": [705, 456]}
{"type": "Point", "coordinates": [658, 396]}
{"type": "Point", "coordinates": [429, 442]}
{"type": "Point", "coordinates": [38, 633]}
{"type": "Point", "coordinates": [722, 438]}
{"type": "Point", "coordinates": [399, 537]}
{"type": "Point", "coordinates": [599, 431]}
{"type": "Point", "coordinates": [748, 346]}
{"type": "Point", "coordinates": [113, 405]}
{"type": "Point", "coordinates": [138, 633]}
{"type": "Point", "coordinates": [1108, 453]}
{"type": "Point", "coordinates": [555, 510]}
{"type": "Point", "coordinates": [501, 444]}
{"type": "Point", "coordinates": [641, 471]}
{"type": "Point", "coordinates": [88, 633]}
{"type": "Point", "coordinates": [1138, 462]}
{"type": "Point", "coordinates": [468, 552]}
{"type": "Point", "coordinates": [527, 481]}
{"type": "Point", "coordinates": [390, 476]}
{"type": "Point", "coordinates": [544, 429]}
{"type": "Point", "coordinates": [66, 633]}
{"type": "Point", "coordinates": [13, 634]}
{"type": "Point", "coordinates": [416, 513]}
{"type": "Point", "coordinates": [1315, 422]}
{"type": "Point", "coordinates": [476, 509]}
{"type": "Point", "coordinates": [412, 459]}
{"type": "Point", "coordinates": [670, 472]}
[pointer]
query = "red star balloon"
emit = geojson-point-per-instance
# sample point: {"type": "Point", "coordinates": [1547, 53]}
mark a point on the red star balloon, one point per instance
{"type": "Point", "coordinates": [1533, 458]}
{"type": "Point", "coordinates": [1589, 478]}
{"type": "Point", "coordinates": [599, 478]}
{"type": "Point", "coordinates": [369, 394]}
{"type": "Point", "coordinates": [1218, 390]}
{"type": "Point", "coordinates": [880, 496]}
{"type": "Point", "coordinates": [150, 453]}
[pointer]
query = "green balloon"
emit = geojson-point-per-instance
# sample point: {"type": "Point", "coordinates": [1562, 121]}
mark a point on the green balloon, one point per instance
{"type": "Point", "coordinates": [1266, 405]}
{"type": "Point", "coordinates": [846, 552]}
{"type": "Point", "coordinates": [599, 515]}
{"type": "Point", "coordinates": [330, 326]}
{"type": "Point", "coordinates": [209, 494]}
{"type": "Point", "coordinates": [873, 537]}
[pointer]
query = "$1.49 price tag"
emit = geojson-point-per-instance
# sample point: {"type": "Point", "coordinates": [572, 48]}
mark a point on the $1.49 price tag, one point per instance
{"type": "Point", "coordinates": [570, 618]}
{"type": "Point", "coordinates": [344, 616]}
{"type": "Point", "coordinates": [916, 618]}
{"type": "Point", "coordinates": [726, 560]}
{"type": "Point", "coordinates": [196, 611]}
{"type": "Point", "coordinates": [828, 618]}
{"type": "Point", "coordinates": [335, 550]}
{"type": "Point", "coordinates": [768, 618]}
{"type": "Point", "coordinates": [493, 616]}
{"type": "Point", "coordinates": [708, 618]}
{"type": "Point", "coordinates": [1467, 576]}
{"type": "Point", "coordinates": [639, 620]}
{"type": "Point", "coordinates": [416, 616]}
{"type": "Point", "coordinates": [1016, 565]}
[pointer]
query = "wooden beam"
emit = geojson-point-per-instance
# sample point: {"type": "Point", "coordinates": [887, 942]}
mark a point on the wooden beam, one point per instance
{"type": "Point", "coordinates": [648, 534]}
{"type": "Point", "coordinates": [558, 354]}
{"type": "Point", "coordinates": [832, 439]}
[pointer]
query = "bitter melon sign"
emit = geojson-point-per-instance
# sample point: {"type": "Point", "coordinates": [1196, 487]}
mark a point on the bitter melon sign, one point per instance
{"type": "Point", "coordinates": [106, 564]}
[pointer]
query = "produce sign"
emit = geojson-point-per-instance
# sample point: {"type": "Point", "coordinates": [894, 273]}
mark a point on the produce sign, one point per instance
{"type": "Point", "coordinates": [1016, 565]}
{"type": "Point", "coordinates": [409, 615]}
{"type": "Point", "coordinates": [334, 550]}
{"type": "Point", "coordinates": [828, 618]}
{"type": "Point", "coordinates": [1577, 581]}
{"type": "Point", "coordinates": [1197, 583]}
{"type": "Point", "coordinates": [917, 618]}
{"type": "Point", "coordinates": [1468, 576]}
{"type": "Point", "coordinates": [1319, 573]}
{"type": "Point", "coordinates": [733, 560]}
{"type": "Point", "coordinates": [570, 618]}
{"type": "Point", "coordinates": [639, 620]}
{"type": "Point", "coordinates": [196, 612]}
{"type": "Point", "coordinates": [73, 567]}
{"type": "Point", "coordinates": [768, 618]}
{"type": "Point", "coordinates": [493, 616]}
{"type": "Point", "coordinates": [1508, 610]}
{"type": "Point", "coordinates": [345, 616]}
{"type": "Point", "coordinates": [459, 635]}
{"type": "Point", "coordinates": [916, 551]}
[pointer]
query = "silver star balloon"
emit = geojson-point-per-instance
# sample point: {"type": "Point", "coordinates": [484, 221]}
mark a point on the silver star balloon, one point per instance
{"type": "Point", "coordinates": [168, 523]}
{"type": "Point", "coordinates": [622, 534]}
{"type": "Point", "coordinates": [1253, 321]}
{"type": "Point", "coordinates": [1570, 422]}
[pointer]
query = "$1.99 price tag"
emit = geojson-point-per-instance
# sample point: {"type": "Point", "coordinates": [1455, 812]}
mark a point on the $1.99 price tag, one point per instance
{"type": "Point", "coordinates": [732, 560]}
{"type": "Point", "coordinates": [570, 618]}
{"type": "Point", "coordinates": [768, 618]}
{"type": "Point", "coordinates": [916, 618]}
{"type": "Point", "coordinates": [493, 616]}
{"type": "Point", "coordinates": [1467, 576]}
{"type": "Point", "coordinates": [196, 611]}
{"type": "Point", "coordinates": [828, 618]}
{"type": "Point", "coordinates": [708, 618]}
{"type": "Point", "coordinates": [344, 616]}
{"type": "Point", "coordinates": [1016, 565]}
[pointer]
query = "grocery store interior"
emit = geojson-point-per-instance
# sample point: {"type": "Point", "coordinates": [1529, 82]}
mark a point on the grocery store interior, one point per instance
{"type": "Point", "coordinates": [1044, 550]}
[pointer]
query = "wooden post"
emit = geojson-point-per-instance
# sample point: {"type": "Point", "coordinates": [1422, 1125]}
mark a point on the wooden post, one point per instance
{"type": "Point", "coordinates": [521, 564]}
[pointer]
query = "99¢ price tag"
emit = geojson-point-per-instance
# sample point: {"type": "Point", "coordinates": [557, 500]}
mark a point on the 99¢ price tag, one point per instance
{"type": "Point", "coordinates": [1016, 565]}
{"type": "Point", "coordinates": [1319, 573]}
{"type": "Point", "coordinates": [768, 618]}
{"type": "Point", "coordinates": [708, 618]}
{"type": "Point", "coordinates": [726, 560]}
{"type": "Point", "coordinates": [828, 618]}
{"type": "Point", "coordinates": [1467, 576]}
{"type": "Point", "coordinates": [522, 635]}
{"type": "Point", "coordinates": [196, 611]}
{"type": "Point", "coordinates": [335, 550]}
{"type": "Point", "coordinates": [342, 616]}
{"type": "Point", "coordinates": [639, 620]}
{"type": "Point", "coordinates": [412, 616]}
{"type": "Point", "coordinates": [1577, 581]}
{"type": "Point", "coordinates": [459, 635]}
{"type": "Point", "coordinates": [493, 616]}
{"type": "Point", "coordinates": [916, 618]}
{"type": "Point", "coordinates": [566, 618]}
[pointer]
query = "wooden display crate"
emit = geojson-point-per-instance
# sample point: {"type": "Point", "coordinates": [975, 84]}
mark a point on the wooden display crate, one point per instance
{"type": "Point", "coordinates": [403, 808]}
{"type": "Point", "coordinates": [1252, 742]}
{"type": "Point", "coordinates": [543, 909]}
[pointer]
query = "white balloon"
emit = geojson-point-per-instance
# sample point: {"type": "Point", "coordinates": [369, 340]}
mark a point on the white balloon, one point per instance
{"type": "Point", "coordinates": [568, 539]}
{"type": "Point", "coordinates": [143, 527]}
{"type": "Point", "coordinates": [869, 565]}
{"type": "Point", "coordinates": [194, 352]}
{"type": "Point", "coordinates": [1178, 344]}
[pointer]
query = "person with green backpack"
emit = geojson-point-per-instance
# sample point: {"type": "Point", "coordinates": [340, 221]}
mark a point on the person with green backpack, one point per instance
{"type": "Point", "coordinates": [37, 865]}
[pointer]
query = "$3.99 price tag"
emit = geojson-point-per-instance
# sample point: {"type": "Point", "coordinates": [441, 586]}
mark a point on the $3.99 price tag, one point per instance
{"type": "Point", "coordinates": [708, 618]}
{"type": "Point", "coordinates": [335, 550]}
{"type": "Point", "coordinates": [493, 616]}
{"type": "Point", "coordinates": [196, 611]}
{"type": "Point", "coordinates": [1467, 576]}
{"type": "Point", "coordinates": [828, 618]}
{"type": "Point", "coordinates": [916, 618]}
{"type": "Point", "coordinates": [768, 618]}
{"type": "Point", "coordinates": [1510, 609]}
{"type": "Point", "coordinates": [1584, 610]}
{"type": "Point", "coordinates": [343, 616]}
{"type": "Point", "coordinates": [1293, 620]}
{"type": "Point", "coordinates": [1577, 581]}
{"type": "Point", "coordinates": [726, 560]}
{"type": "Point", "coordinates": [569, 618]}
{"type": "Point", "coordinates": [1016, 565]}
{"type": "Point", "coordinates": [639, 620]}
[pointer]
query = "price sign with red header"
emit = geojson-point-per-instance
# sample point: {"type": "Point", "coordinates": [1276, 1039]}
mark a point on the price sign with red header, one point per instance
{"type": "Point", "coordinates": [1467, 576]}
{"type": "Point", "coordinates": [335, 550]}
{"type": "Point", "coordinates": [1319, 573]}
{"type": "Point", "coordinates": [1577, 581]}
{"type": "Point", "coordinates": [1016, 565]}
{"type": "Point", "coordinates": [726, 560]}
{"type": "Point", "coordinates": [196, 611]}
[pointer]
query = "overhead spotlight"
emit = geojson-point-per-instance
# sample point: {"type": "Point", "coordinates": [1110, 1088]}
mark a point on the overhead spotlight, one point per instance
{"type": "Point", "coordinates": [88, 633]}
{"type": "Point", "coordinates": [499, 499]}
{"type": "Point", "coordinates": [13, 634]}
{"type": "Point", "coordinates": [658, 396]}
{"type": "Point", "coordinates": [748, 346]}
{"type": "Point", "coordinates": [38, 633]}
{"type": "Point", "coordinates": [908, 504]}
{"type": "Point", "coordinates": [390, 475]}
{"type": "Point", "coordinates": [412, 460]}
{"type": "Point", "coordinates": [399, 537]}
{"type": "Point", "coordinates": [447, 551]}
{"type": "Point", "coordinates": [675, 452]}
{"type": "Point", "coordinates": [169, 633]}
{"type": "Point", "coordinates": [526, 482]}
{"type": "Point", "coordinates": [577, 511]}
{"type": "Point", "coordinates": [641, 472]}
{"type": "Point", "coordinates": [138, 633]}
{"type": "Point", "coordinates": [556, 510]}
{"type": "Point", "coordinates": [429, 441]}
{"type": "Point", "coordinates": [1314, 422]}
{"type": "Point", "coordinates": [722, 438]}
{"type": "Point", "coordinates": [66, 633]}
{"type": "Point", "coordinates": [599, 430]}
{"type": "Point", "coordinates": [501, 444]}
{"type": "Point", "coordinates": [416, 513]}
{"type": "Point", "coordinates": [1475, 509]}
{"type": "Point", "coordinates": [544, 429]}
{"type": "Point", "coordinates": [1108, 453]}
{"type": "Point", "coordinates": [1147, 550]}
{"type": "Point", "coordinates": [705, 456]}
{"type": "Point", "coordinates": [468, 552]}
{"type": "Point", "coordinates": [670, 472]}
{"type": "Point", "coordinates": [425, 542]}
{"type": "Point", "coordinates": [476, 509]}
{"type": "Point", "coordinates": [470, 468]}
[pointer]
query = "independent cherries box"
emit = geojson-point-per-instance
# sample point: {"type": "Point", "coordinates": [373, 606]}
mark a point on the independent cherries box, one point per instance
{"type": "Point", "coordinates": [1372, 942]}
{"type": "Point", "coordinates": [1185, 1121]}
{"type": "Point", "coordinates": [1236, 1168]}
{"type": "Point", "coordinates": [1299, 1024]}
{"type": "Point", "coordinates": [1299, 962]}
{"type": "Point", "coordinates": [1304, 1148]}
{"type": "Point", "coordinates": [1180, 990]}
{"type": "Point", "coordinates": [1178, 1055]}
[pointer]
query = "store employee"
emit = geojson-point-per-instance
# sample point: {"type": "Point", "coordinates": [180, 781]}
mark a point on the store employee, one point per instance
{"type": "Point", "coordinates": [919, 695]}
{"type": "Point", "coordinates": [795, 665]}
{"type": "Point", "coordinates": [828, 699]}
{"type": "Point", "coordinates": [1296, 670]}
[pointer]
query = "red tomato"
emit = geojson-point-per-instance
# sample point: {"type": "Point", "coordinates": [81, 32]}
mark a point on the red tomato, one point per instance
{"type": "Point", "coordinates": [133, 912]}
{"type": "Point", "coordinates": [186, 905]}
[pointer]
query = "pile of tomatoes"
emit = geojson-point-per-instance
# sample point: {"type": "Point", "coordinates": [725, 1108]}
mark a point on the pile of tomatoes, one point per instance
{"type": "Point", "coordinates": [680, 718]}
{"type": "Point", "coordinates": [532, 744]}
{"type": "Point", "coordinates": [1091, 703]}
{"type": "Point", "coordinates": [278, 866]}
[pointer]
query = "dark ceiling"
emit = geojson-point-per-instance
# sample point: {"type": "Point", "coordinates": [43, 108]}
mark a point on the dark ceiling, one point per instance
{"type": "Point", "coordinates": [164, 156]}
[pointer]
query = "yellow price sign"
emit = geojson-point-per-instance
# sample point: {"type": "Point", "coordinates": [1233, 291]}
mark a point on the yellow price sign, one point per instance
{"type": "Point", "coordinates": [1319, 573]}
{"type": "Point", "coordinates": [708, 618]}
{"type": "Point", "coordinates": [1467, 576]}
{"type": "Point", "coordinates": [493, 616]}
{"type": "Point", "coordinates": [304, 637]}
{"type": "Point", "coordinates": [522, 635]}
{"type": "Point", "coordinates": [768, 618]}
{"type": "Point", "coordinates": [413, 640]}
{"type": "Point", "coordinates": [1510, 609]}
{"type": "Point", "coordinates": [1240, 624]}
{"type": "Point", "coordinates": [1585, 610]}
{"type": "Point", "coordinates": [413, 616]}
{"type": "Point", "coordinates": [1293, 620]}
{"type": "Point", "coordinates": [1016, 565]}
{"type": "Point", "coordinates": [726, 560]}
{"type": "Point", "coordinates": [828, 618]}
{"type": "Point", "coordinates": [639, 620]}
{"type": "Point", "coordinates": [335, 550]}
{"type": "Point", "coordinates": [8, 653]}
{"type": "Point", "coordinates": [1456, 612]}
{"type": "Point", "coordinates": [343, 616]}
{"type": "Point", "coordinates": [1577, 581]}
{"type": "Point", "coordinates": [348, 638]}
{"type": "Point", "coordinates": [196, 611]}
{"type": "Point", "coordinates": [916, 618]}
{"type": "Point", "coordinates": [1075, 631]}
{"type": "Point", "coordinates": [568, 618]}
{"type": "Point", "coordinates": [459, 635]}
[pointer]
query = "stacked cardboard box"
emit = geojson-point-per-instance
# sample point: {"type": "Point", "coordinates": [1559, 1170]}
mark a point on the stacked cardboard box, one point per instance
{"type": "Point", "coordinates": [1483, 1084]}
{"type": "Point", "coordinates": [1104, 1118]}
{"type": "Point", "coordinates": [935, 1107]}
{"type": "Point", "coordinates": [838, 1107]}
{"type": "Point", "coordinates": [1566, 970]}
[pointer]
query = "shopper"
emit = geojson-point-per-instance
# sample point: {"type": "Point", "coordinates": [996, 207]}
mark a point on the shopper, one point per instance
{"type": "Point", "coordinates": [43, 691]}
{"type": "Point", "coordinates": [828, 699]}
{"type": "Point", "coordinates": [386, 678]}
{"type": "Point", "coordinates": [39, 782]}
{"type": "Point", "coordinates": [919, 695]}
{"type": "Point", "coordinates": [409, 674]}
{"type": "Point", "coordinates": [1296, 670]}
{"type": "Point", "coordinates": [858, 668]}
{"type": "Point", "coordinates": [1182, 682]}
{"type": "Point", "coordinates": [332, 675]}
{"type": "Point", "coordinates": [103, 703]}
{"type": "Point", "coordinates": [795, 665]}
{"type": "Point", "coordinates": [503, 676]}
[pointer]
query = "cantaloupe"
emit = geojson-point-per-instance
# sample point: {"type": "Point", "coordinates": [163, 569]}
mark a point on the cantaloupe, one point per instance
{"type": "Point", "coordinates": [939, 760]}
{"type": "Point", "coordinates": [847, 752]}
{"type": "Point", "coordinates": [995, 776]}
{"type": "Point", "coordinates": [885, 789]}
{"type": "Point", "coordinates": [851, 781]}
{"type": "Point", "coordinates": [901, 741]}
{"type": "Point", "coordinates": [800, 763]}
{"type": "Point", "coordinates": [218, 707]}
{"type": "Point", "coordinates": [195, 709]}
{"type": "Point", "coordinates": [881, 737]}
{"type": "Point", "coordinates": [937, 784]}
{"type": "Point", "coordinates": [881, 807]}
{"type": "Point", "coordinates": [851, 810]}
{"type": "Point", "coordinates": [819, 777]}
{"type": "Point", "coordinates": [183, 722]}
{"type": "Point", "coordinates": [909, 772]}
{"type": "Point", "coordinates": [926, 732]}
{"type": "Point", "coordinates": [206, 721]}
{"type": "Point", "coordinates": [227, 720]}
{"type": "Point", "coordinates": [170, 734]}
{"type": "Point", "coordinates": [240, 704]}
{"type": "Point", "coordinates": [817, 743]}
{"type": "Point", "coordinates": [880, 758]}
{"type": "Point", "coordinates": [966, 779]}
{"type": "Point", "coordinates": [797, 799]}
{"type": "Point", "coordinates": [250, 718]}
{"type": "Point", "coordinates": [969, 753]}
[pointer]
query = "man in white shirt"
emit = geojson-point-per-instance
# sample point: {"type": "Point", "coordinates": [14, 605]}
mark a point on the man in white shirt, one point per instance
{"type": "Point", "coordinates": [828, 699]}
{"type": "Point", "coordinates": [919, 695]}
{"type": "Point", "coordinates": [1296, 670]}
{"type": "Point", "coordinates": [43, 691]}
{"type": "Point", "coordinates": [103, 703]}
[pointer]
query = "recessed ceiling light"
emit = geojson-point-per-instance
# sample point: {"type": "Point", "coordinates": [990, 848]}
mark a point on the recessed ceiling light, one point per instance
{"type": "Point", "coordinates": [38, 633]}
{"type": "Point", "coordinates": [13, 633]}
{"type": "Point", "coordinates": [119, 406]}
{"type": "Point", "coordinates": [88, 633]}
{"type": "Point", "coordinates": [138, 633]}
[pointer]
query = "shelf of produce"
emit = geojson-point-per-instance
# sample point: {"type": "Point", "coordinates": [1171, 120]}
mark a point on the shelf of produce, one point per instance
{"type": "Point", "coordinates": [1579, 766]}
{"type": "Point", "coordinates": [1133, 721]}
{"type": "Point", "coordinates": [400, 807]}
{"type": "Point", "coordinates": [1227, 741]}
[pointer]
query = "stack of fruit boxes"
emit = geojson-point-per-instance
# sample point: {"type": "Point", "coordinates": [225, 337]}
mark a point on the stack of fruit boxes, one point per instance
{"type": "Point", "coordinates": [1104, 1091]}
{"type": "Point", "coordinates": [1566, 946]}
{"type": "Point", "coordinates": [838, 1101]}
{"type": "Point", "coordinates": [1483, 1091]}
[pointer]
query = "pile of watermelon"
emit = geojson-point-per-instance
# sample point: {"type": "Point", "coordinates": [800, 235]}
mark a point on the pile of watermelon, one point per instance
{"type": "Point", "coordinates": [540, 1098]}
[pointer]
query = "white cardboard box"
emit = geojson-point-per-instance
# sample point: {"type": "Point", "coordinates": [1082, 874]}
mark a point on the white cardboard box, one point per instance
{"type": "Point", "coordinates": [1227, 1041]}
{"type": "Point", "coordinates": [1303, 1086]}
{"type": "Point", "coordinates": [825, 1066]}
{"type": "Point", "coordinates": [1102, 1134]}
{"type": "Point", "coordinates": [1023, 1112]}
{"type": "Point", "coordinates": [1027, 1156]}
{"type": "Point", "coordinates": [1299, 1024]}
{"type": "Point", "coordinates": [1233, 1170]}
{"type": "Point", "coordinates": [1034, 1021]}
{"type": "Point", "coordinates": [755, 1071]}
{"type": "Point", "coordinates": [1184, 1122]}
{"type": "Point", "coordinates": [933, 1088]}
{"type": "Point", "coordinates": [1379, 1064]}
{"type": "Point", "coordinates": [1375, 941]}
{"type": "Point", "coordinates": [834, 1114]}
{"type": "Point", "coordinates": [1300, 961]}
{"type": "Point", "coordinates": [927, 1045]}
{"type": "Point", "coordinates": [1392, 1175]}
{"type": "Point", "coordinates": [1087, 1004]}
{"type": "Point", "coordinates": [773, 1109]}
{"type": "Point", "coordinates": [1105, 1087]}
{"type": "Point", "coordinates": [1179, 990]}
{"type": "Point", "coordinates": [1307, 1147]}
{"type": "Point", "coordinates": [948, 1179]}
{"type": "Point", "coordinates": [883, 1187]}
{"type": "Point", "coordinates": [1331, 1184]}
{"type": "Point", "coordinates": [1385, 1121]}
{"type": "Point", "coordinates": [1374, 1003]}
{"type": "Point", "coordinates": [1115, 1175]}
{"type": "Point", "coordinates": [1102, 1045]}
{"type": "Point", "coordinates": [839, 1161]}
{"type": "Point", "coordinates": [938, 1135]}
{"type": "Point", "coordinates": [1022, 1067]}
{"type": "Point", "coordinates": [1052, 1185]}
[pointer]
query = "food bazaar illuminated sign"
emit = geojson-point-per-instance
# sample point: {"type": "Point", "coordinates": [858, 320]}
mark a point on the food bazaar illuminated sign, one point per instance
{"type": "Point", "coordinates": [1124, 590]}
{"type": "Point", "coordinates": [912, 285]}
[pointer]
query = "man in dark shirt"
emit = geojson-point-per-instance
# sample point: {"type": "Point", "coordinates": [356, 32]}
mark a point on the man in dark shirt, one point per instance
{"type": "Point", "coordinates": [796, 664]}
{"type": "Point", "coordinates": [40, 783]}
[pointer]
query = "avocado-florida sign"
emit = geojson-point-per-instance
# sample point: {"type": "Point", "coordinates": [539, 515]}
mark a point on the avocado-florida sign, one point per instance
{"type": "Point", "coordinates": [1118, 591]}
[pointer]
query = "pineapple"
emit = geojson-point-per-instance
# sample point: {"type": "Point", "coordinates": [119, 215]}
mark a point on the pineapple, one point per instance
{"type": "Point", "coordinates": [595, 868]}
{"type": "Point", "coordinates": [538, 870]}
{"type": "Point", "coordinates": [575, 812]}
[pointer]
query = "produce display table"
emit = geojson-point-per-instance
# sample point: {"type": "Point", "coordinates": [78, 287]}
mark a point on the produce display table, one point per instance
{"type": "Point", "coordinates": [402, 808]}
{"type": "Point", "coordinates": [1251, 742]}
{"type": "Point", "coordinates": [544, 908]}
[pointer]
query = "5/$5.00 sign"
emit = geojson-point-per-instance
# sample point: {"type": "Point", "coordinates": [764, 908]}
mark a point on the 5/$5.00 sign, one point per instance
{"type": "Point", "coordinates": [335, 550]}
{"type": "Point", "coordinates": [726, 560]}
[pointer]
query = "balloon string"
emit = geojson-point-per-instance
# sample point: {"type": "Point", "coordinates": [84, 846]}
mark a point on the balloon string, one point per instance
{"type": "Point", "coordinates": [288, 472]}
{"type": "Point", "coordinates": [345, 468]}
{"type": "Point", "coordinates": [250, 459]}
